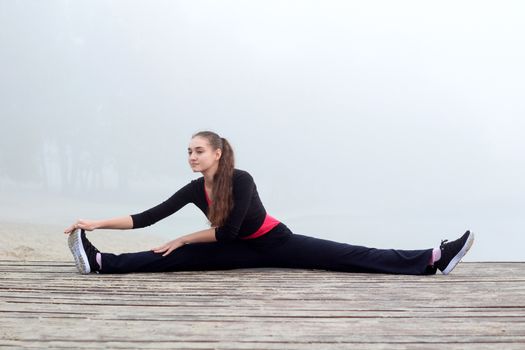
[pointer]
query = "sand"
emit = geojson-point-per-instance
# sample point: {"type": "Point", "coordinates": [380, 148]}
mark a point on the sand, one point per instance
{"type": "Point", "coordinates": [25, 241]}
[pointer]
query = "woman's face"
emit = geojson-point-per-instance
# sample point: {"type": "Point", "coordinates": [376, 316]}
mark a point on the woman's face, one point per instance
{"type": "Point", "coordinates": [201, 155]}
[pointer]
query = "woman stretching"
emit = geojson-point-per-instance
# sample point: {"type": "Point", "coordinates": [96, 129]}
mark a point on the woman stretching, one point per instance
{"type": "Point", "coordinates": [242, 234]}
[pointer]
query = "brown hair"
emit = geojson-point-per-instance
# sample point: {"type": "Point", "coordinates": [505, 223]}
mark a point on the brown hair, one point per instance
{"type": "Point", "coordinates": [222, 181]}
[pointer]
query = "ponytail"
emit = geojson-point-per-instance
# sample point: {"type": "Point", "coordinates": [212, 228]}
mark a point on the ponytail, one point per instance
{"type": "Point", "coordinates": [222, 181]}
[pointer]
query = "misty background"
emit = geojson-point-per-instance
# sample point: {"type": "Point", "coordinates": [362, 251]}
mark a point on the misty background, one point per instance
{"type": "Point", "coordinates": [379, 123]}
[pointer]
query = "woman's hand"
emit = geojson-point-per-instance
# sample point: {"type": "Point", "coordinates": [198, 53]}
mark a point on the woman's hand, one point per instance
{"type": "Point", "coordinates": [88, 225]}
{"type": "Point", "coordinates": [169, 247]}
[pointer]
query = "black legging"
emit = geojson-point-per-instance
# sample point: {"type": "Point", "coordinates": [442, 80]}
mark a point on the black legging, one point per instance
{"type": "Point", "coordinates": [278, 248]}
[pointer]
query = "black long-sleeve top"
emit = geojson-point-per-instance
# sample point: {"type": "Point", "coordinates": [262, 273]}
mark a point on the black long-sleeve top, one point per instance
{"type": "Point", "coordinates": [246, 217]}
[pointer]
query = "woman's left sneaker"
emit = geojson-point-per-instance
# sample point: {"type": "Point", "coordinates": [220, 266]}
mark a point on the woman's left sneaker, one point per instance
{"type": "Point", "coordinates": [84, 252]}
{"type": "Point", "coordinates": [453, 252]}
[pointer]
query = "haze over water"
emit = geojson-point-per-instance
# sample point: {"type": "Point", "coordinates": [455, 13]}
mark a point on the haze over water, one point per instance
{"type": "Point", "coordinates": [386, 124]}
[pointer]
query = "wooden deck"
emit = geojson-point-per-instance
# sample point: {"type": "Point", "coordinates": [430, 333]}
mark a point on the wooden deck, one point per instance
{"type": "Point", "coordinates": [47, 304]}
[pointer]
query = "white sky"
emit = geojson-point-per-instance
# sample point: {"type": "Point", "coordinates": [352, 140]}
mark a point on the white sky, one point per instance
{"type": "Point", "coordinates": [389, 124]}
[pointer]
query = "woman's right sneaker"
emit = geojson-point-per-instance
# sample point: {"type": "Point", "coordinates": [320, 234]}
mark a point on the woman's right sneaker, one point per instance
{"type": "Point", "coordinates": [453, 252]}
{"type": "Point", "coordinates": [84, 252]}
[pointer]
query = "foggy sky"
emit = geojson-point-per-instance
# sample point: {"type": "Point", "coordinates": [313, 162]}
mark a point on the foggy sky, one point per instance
{"type": "Point", "coordinates": [389, 124]}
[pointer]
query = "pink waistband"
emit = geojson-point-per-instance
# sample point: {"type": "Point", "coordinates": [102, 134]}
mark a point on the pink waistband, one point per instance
{"type": "Point", "coordinates": [269, 223]}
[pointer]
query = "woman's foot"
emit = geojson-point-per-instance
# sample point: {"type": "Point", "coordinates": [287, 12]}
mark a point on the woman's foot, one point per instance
{"type": "Point", "coordinates": [453, 252]}
{"type": "Point", "coordinates": [83, 251]}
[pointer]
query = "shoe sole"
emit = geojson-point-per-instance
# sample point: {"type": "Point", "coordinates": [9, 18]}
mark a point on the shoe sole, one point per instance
{"type": "Point", "coordinates": [452, 264]}
{"type": "Point", "coordinates": [74, 242]}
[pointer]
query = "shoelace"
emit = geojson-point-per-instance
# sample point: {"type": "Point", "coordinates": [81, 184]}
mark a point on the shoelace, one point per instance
{"type": "Point", "coordinates": [443, 242]}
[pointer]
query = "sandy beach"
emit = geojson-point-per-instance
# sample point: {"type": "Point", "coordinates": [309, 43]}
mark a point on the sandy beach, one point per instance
{"type": "Point", "coordinates": [28, 242]}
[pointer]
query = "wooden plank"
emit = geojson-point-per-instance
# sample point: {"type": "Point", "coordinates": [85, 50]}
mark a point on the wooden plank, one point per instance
{"type": "Point", "coordinates": [47, 304]}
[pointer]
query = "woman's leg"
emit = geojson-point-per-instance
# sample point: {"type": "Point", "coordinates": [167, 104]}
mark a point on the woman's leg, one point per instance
{"type": "Point", "coordinates": [190, 257]}
{"type": "Point", "coordinates": [278, 248]}
{"type": "Point", "coordinates": [301, 251]}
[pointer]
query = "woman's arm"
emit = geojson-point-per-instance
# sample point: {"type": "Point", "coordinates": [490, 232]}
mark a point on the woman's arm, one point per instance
{"type": "Point", "coordinates": [171, 205]}
{"type": "Point", "coordinates": [203, 236]}
{"type": "Point", "coordinates": [120, 223]}
{"type": "Point", "coordinates": [178, 200]}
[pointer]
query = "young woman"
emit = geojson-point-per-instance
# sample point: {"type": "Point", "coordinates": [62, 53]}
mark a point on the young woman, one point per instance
{"type": "Point", "coordinates": [242, 234]}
